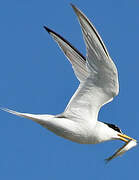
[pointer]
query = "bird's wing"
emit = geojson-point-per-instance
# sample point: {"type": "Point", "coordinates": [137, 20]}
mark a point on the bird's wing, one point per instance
{"type": "Point", "coordinates": [102, 83]}
{"type": "Point", "coordinates": [77, 60]}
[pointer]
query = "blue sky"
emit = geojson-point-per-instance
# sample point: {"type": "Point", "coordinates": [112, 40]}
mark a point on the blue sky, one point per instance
{"type": "Point", "coordinates": [36, 77]}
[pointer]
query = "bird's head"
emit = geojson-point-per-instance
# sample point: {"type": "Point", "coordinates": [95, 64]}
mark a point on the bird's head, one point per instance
{"type": "Point", "coordinates": [121, 135]}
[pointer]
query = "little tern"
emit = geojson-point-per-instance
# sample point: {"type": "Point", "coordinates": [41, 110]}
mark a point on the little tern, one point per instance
{"type": "Point", "coordinates": [99, 84]}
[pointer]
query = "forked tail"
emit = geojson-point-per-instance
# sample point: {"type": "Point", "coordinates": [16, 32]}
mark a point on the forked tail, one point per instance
{"type": "Point", "coordinates": [41, 119]}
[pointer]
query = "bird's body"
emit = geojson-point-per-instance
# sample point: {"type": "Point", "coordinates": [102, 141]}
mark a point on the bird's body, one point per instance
{"type": "Point", "coordinates": [98, 78]}
{"type": "Point", "coordinates": [80, 132]}
{"type": "Point", "coordinates": [73, 128]}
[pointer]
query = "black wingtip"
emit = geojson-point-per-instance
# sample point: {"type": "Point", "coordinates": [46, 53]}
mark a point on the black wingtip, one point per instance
{"type": "Point", "coordinates": [52, 33]}
{"type": "Point", "coordinates": [74, 7]}
{"type": "Point", "coordinates": [47, 29]}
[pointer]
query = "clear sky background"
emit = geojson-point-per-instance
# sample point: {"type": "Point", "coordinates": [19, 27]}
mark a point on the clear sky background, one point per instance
{"type": "Point", "coordinates": [35, 77]}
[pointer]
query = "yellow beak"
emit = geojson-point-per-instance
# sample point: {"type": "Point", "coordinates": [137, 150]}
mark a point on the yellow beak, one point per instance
{"type": "Point", "coordinates": [125, 138]}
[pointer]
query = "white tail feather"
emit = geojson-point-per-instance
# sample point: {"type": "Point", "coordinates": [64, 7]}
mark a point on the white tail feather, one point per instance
{"type": "Point", "coordinates": [35, 117]}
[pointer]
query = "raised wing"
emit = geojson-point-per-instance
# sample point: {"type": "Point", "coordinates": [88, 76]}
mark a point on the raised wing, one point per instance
{"type": "Point", "coordinates": [77, 60]}
{"type": "Point", "coordinates": [102, 83]}
{"type": "Point", "coordinates": [98, 59]}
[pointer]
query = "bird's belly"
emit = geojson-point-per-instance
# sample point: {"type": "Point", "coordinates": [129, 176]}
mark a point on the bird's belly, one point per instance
{"type": "Point", "coordinates": [68, 129]}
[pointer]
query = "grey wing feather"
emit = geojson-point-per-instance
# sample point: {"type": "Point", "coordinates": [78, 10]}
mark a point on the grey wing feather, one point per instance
{"type": "Point", "coordinates": [102, 83]}
{"type": "Point", "coordinates": [98, 60]}
{"type": "Point", "coordinates": [77, 60]}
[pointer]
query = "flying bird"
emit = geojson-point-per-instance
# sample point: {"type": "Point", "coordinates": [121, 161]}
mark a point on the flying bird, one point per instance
{"type": "Point", "coordinates": [99, 84]}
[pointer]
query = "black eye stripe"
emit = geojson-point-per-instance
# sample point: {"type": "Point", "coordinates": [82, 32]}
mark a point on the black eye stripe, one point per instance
{"type": "Point", "coordinates": [114, 127]}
